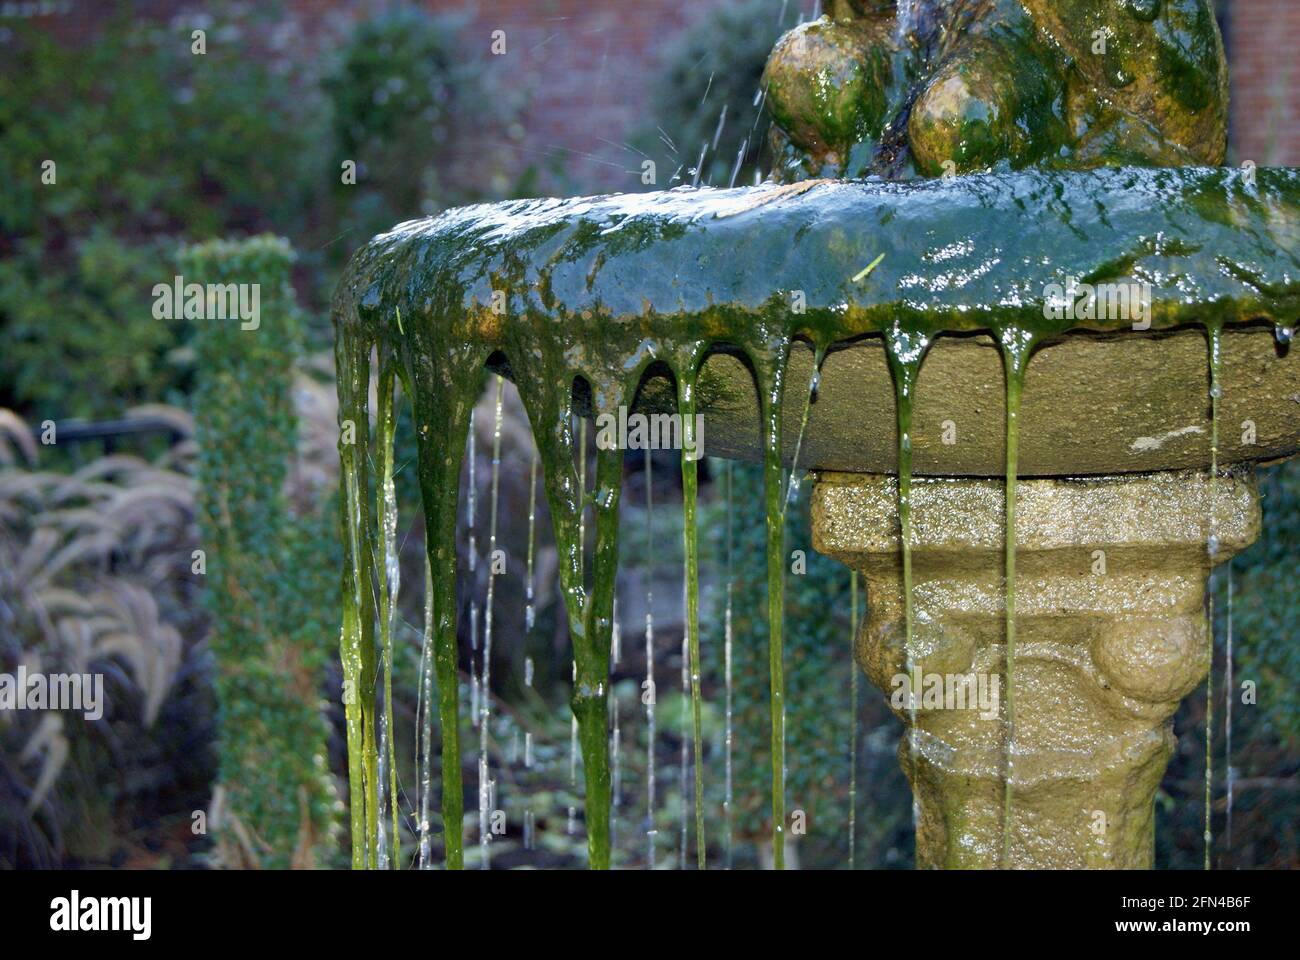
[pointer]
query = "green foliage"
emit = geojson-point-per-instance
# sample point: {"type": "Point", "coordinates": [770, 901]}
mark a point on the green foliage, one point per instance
{"type": "Point", "coordinates": [89, 320]}
{"type": "Point", "coordinates": [149, 141]}
{"type": "Point", "coordinates": [817, 665]}
{"type": "Point", "coordinates": [1266, 605]}
{"type": "Point", "coordinates": [399, 98]}
{"type": "Point", "coordinates": [716, 62]}
{"type": "Point", "coordinates": [269, 575]}
{"type": "Point", "coordinates": [1264, 612]}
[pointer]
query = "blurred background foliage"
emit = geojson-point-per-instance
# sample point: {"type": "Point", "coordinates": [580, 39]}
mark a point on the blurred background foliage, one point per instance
{"type": "Point", "coordinates": [270, 573]}
{"type": "Point", "coordinates": [708, 98]}
{"type": "Point", "coordinates": [96, 538]}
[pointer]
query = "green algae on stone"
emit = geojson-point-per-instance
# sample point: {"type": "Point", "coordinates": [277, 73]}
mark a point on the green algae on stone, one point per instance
{"type": "Point", "coordinates": [832, 86]}
{"type": "Point", "coordinates": [976, 84]}
{"type": "Point", "coordinates": [690, 532]}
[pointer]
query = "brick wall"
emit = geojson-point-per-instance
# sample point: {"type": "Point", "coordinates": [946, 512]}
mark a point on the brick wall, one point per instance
{"type": "Point", "coordinates": [588, 66]}
{"type": "Point", "coordinates": [585, 67]}
{"type": "Point", "coordinates": [1265, 72]}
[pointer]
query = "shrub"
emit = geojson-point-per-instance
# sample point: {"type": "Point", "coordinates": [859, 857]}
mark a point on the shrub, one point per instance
{"type": "Point", "coordinates": [269, 574]}
{"type": "Point", "coordinates": [148, 141]}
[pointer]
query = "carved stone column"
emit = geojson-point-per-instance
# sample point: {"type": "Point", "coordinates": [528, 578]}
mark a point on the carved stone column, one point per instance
{"type": "Point", "coordinates": [1111, 635]}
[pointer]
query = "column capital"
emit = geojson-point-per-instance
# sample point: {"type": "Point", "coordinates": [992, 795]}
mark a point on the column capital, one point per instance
{"type": "Point", "coordinates": [1111, 634]}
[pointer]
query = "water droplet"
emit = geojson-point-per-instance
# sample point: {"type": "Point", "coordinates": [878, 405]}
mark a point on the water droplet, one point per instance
{"type": "Point", "coordinates": [1216, 391]}
{"type": "Point", "coordinates": [1283, 334]}
{"type": "Point", "coordinates": [1212, 546]}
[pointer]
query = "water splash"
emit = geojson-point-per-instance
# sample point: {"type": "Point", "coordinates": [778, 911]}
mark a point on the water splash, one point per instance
{"type": "Point", "coordinates": [853, 720]}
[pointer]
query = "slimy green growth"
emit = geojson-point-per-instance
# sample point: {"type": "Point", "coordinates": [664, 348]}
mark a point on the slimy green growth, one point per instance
{"type": "Point", "coordinates": [596, 290]}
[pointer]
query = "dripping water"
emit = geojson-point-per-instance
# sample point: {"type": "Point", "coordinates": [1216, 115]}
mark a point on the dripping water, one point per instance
{"type": "Point", "coordinates": [906, 351]}
{"type": "Point", "coordinates": [573, 737]}
{"type": "Point", "coordinates": [530, 618]}
{"type": "Point", "coordinates": [853, 720]}
{"type": "Point", "coordinates": [773, 381]}
{"type": "Point", "coordinates": [582, 547]}
{"type": "Point", "coordinates": [485, 697]}
{"type": "Point", "coordinates": [649, 685]}
{"type": "Point", "coordinates": [1227, 719]}
{"type": "Point", "coordinates": [1214, 329]}
{"type": "Point", "coordinates": [424, 719]}
{"type": "Point", "coordinates": [686, 743]}
{"type": "Point", "coordinates": [699, 165]}
{"type": "Point", "coordinates": [471, 494]}
{"type": "Point", "coordinates": [740, 159]}
{"type": "Point", "coordinates": [1016, 346]}
{"type": "Point", "coordinates": [388, 589]}
{"type": "Point", "coordinates": [616, 777]}
{"type": "Point", "coordinates": [690, 544]}
{"type": "Point", "coordinates": [728, 735]}
{"type": "Point", "coordinates": [814, 381]}
{"type": "Point", "coordinates": [474, 685]}
{"type": "Point", "coordinates": [530, 610]}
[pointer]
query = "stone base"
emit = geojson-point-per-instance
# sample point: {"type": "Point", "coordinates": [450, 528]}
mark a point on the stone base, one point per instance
{"type": "Point", "coordinates": [1111, 634]}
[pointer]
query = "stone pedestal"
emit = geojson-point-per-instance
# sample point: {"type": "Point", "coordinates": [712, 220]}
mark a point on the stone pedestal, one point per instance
{"type": "Point", "coordinates": [1111, 634]}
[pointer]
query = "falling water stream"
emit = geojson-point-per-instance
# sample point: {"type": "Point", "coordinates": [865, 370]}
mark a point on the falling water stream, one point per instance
{"type": "Point", "coordinates": [686, 388]}
{"type": "Point", "coordinates": [1227, 719]}
{"type": "Point", "coordinates": [388, 589]}
{"type": "Point", "coordinates": [728, 733]}
{"type": "Point", "coordinates": [1017, 344]}
{"type": "Point", "coordinates": [424, 725]}
{"type": "Point", "coordinates": [546, 259]}
{"type": "Point", "coordinates": [853, 722]}
{"type": "Point", "coordinates": [485, 787]}
{"type": "Point", "coordinates": [1214, 331]}
{"type": "Point", "coordinates": [649, 693]}
{"type": "Point", "coordinates": [906, 351]}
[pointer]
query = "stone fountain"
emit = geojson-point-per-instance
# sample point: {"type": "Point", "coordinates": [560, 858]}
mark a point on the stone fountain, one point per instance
{"type": "Point", "coordinates": [1046, 336]}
